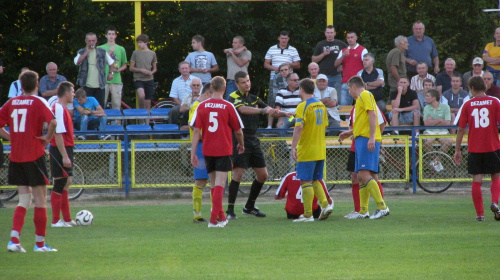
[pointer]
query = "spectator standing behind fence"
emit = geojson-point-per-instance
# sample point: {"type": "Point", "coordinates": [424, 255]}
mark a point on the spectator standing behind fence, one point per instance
{"type": "Point", "coordinates": [421, 49]}
{"type": "Point", "coordinates": [119, 56]}
{"type": "Point", "coordinates": [26, 116]}
{"type": "Point", "coordinates": [143, 64]}
{"type": "Point", "coordinates": [49, 82]}
{"type": "Point", "coordinates": [373, 79]}
{"type": "Point", "coordinates": [91, 62]}
{"type": "Point", "coordinates": [417, 81]}
{"type": "Point", "coordinates": [351, 59]}
{"type": "Point", "coordinates": [181, 87]}
{"type": "Point", "coordinates": [491, 88]}
{"type": "Point", "coordinates": [188, 101]}
{"type": "Point", "coordinates": [88, 115]}
{"type": "Point", "coordinates": [217, 118]}
{"type": "Point", "coordinates": [405, 106]}
{"type": "Point", "coordinates": [443, 79]}
{"type": "Point", "coordinates": [491, 55]}
{"type": "Point", "coordinates": [477, 70]}
{"type": "Point", "coordinates": [200, 171]}
{"type": "Point", "coordinates": [202, 63]}
{"type": "Point", "coordinates": [482, 115]}
{"type": "Point", "coordinates": [287, 100]}
{"type": "Point", "coordinates": [275, 56]}
{"type": "Point", "coordinates": [325, 54]}
{"type": "Point", "coordinates": [395, 62]}
{"type": "Point", "coordinates": [238, 59]}
{"type": "Point", "coordinates": [328, 96]}
{"type": "Point", "coordinates": [15, 87]}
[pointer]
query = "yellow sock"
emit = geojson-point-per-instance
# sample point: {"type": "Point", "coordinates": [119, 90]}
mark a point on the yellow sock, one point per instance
{"type": "Point", "coordinates": [320, 193]}
{"type": "Point", "coordinates": [374, 191]}
{"type": "Point", "coordinates": [364, 197]}
{"type": "Point", "coordinates": [307, 198]}
{"type": "Point", "coordinates": [197, 198]}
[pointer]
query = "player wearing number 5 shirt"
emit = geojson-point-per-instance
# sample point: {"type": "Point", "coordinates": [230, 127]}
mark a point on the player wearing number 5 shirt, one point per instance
{"type": "Point", "coordinates": [482, 115]}
{"type": "Point", "coordinates": [217, 118]}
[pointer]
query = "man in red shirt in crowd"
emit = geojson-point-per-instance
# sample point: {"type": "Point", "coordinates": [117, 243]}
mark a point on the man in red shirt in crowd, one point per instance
{"type": "Point", "coordinates": [482, 115]}
{"type": "Point", "coordinates": [26, 116]}
{"type": "Point", "coordinates": [217, 118]}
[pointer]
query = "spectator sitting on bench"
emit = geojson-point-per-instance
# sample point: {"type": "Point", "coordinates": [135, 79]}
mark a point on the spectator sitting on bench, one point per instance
{"type": "Point", "coordinates": [88, 114]}
{"type": "Point", "coordinates": [405, 105]}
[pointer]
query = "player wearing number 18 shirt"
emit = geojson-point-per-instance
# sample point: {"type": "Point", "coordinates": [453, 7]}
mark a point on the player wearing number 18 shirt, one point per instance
{"type": "Point", "coordinates": [217, 118]}
{"type": "Point", "coordinates": [482, 115]}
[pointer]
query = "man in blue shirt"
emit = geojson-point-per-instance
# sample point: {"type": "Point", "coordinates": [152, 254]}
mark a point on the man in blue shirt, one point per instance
{"type": "Point", "coordinates": [89, 114]}
{"type": "Point", "coordinates": [49, 82]}
{"type": "Point", "coordinates": [421, 49]}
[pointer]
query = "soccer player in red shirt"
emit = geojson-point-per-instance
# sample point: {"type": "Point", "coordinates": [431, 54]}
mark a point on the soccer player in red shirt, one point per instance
{"type": "Point", "coordinates": [61, 156]}
{"type": "Point", "coordinates": [26, 116]}
{"type": "Point", "coordinates": [482, 115]}
{"type": "Point", "coordinates": [217, 118]}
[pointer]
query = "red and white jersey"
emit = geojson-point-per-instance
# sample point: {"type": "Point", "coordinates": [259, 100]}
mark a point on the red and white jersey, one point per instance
{"type": "Point", "coordinates": [64, 125]}
{"type": "Point", "coordinates": [25, 116]}
{"type": "Point", "coordinates": [482, 115]}
{"type": "Point", "coordinates": [294, 204]}
{"type": "Point", "coordinates": [380, 117]}
{"type": "Point", "coordinates": [217, 118]}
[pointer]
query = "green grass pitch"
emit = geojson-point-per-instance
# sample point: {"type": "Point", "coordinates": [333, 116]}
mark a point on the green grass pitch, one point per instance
{"type": "Point", "coordinates": [425, 237]}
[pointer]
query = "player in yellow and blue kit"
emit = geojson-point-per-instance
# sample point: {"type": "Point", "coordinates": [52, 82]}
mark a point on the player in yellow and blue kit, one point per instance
{"type": "Point", "coordinates": [309, 150]}
{"type": "Point", "coordinates": [367, 137]}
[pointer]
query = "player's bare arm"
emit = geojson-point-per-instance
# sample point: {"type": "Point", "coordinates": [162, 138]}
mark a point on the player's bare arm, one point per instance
{"type": "Point", "coordinates": [60, 146]}
{"type": "Point", "coordinates": [241, 144]}
{"type": "Point", "coordinates": [5, 134]}
{"type": "Point", "coordinates": [344, 134]}
{"type": "Point", "coordinates": [373, 126]}
{"type": "Point", "coordinates": [297, 132]}
{"type": "Point", "coordinates": [50, 132]}
{"type": "Point", "coordinates": [457, 157]}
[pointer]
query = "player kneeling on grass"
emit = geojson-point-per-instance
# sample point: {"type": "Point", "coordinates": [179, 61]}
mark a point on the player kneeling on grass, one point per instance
{"type": "Point", "coordinates": [290, 187]}
{"type": "Point", "coordinates": [61, 156]}
{"type": "Point", "coordinates": [217, 118]}
{"type": "Point", "coordinates": [482, 115]}
{"type": "Point", "coordinates": [309, 150]}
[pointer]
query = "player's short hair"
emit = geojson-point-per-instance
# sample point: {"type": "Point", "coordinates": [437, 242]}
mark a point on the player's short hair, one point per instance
{"type": "Point", "coordinates": [200, 39]}
{"type": "Point", "coordinates": [428, 81]}
{"type": "Point", "coordinates": [206, 88]}
{"type": "Point", "coordinates": [434, 93]}
{"type": "Point", "coordinates": [110, 28]}
{"type": "Point", "coordinates": [356, 81]}
{"type": "Point", "coordinates": [218, 83]}
{"type": "Point", "coordinates": [307, 85]}
{"type": "Point", "coordinates": [80, 93]}
{"type": "Point", "coordinates": [64, 87]}
{"type": "Point", "coordinates": [143, 38]}
{"type": "Point", "coordinates": [240, 38]}
{"type": "Point", "coordinates": [29, 80]}
{"type": "Point", "coordinates": [477, 83]}
{"type": "Point", "coordinates": [240, 75]}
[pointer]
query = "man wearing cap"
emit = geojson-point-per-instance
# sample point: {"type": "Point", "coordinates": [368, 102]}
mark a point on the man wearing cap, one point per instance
{"type": "Point", "coordinates": [328, 96]}
{"type": "Point", "coordinates": [477, 70]}
{"type": "Point", "coordinates": [374, 80]}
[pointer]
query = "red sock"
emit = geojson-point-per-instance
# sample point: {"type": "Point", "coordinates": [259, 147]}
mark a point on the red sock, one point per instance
{"type": "Point", "coordinates": [495, 190]}
{"type": "Point", "coordinates": [222, 215]}
{"type": "Point", "coordinates": [217, 193]}
{"type": "Point", "coordinates": [355, 196]}
{"type": "Point", "coordinates": [55, 201]}
{"type": "Point", "coordinates": [381, 188]}
{"type": "Point", "coordinates": [40, 220]}
{"type": "Point", "coordinates": [477, 198]}
{"type": "Point", "coordinates": [18, 222]}
{"type": "Point", "coordinates": [65, 206]}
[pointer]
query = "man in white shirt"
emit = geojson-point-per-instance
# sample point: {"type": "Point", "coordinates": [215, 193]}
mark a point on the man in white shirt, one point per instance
{"type": "Point", "coordinates": [181, 87]}
{"type": "Point", "coordinates": [328, 96]}
{"type": "Point", "coordinates": [417, 81]}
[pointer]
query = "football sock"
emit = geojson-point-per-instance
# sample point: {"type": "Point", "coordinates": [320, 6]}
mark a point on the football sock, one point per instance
{"type": "Point", "coordinates": [477, 198]}
{"type": "Point", "coordinates": [355, 196]}
{"type": "Point", "coordinates": [40, 240]}
{"type": "Point", "coordinates": [380, 188]}
{"type": "Point", "coordinates": [218, 191]}
{"type": "Point", "coordinates": [307, 197]}
{"type": "Point", "coordinates": [374, 191]}
{"type": "Point", "coordinates": [66, 213]}
{"type": "Point", "coordinates": [232, 194]}
{"type": "Point", "coordinates": [14, 237]}
{"type": "Point", "coordinates": [319, 192]}
{"type": "Point", "coordinates": [254, 193]}
{"type": "Point", "coordinates": [197, 198]}
{"type": "Point", "coordinates": [55, 202]}
{"type": "Point", "coordinates": [18, 222]}
{"type": "Point", "coordinates": [495, 190]}
{"type": "Point", "coordinates": [40, 220]}
{"type": "Point", "coordinates": [364, 197]}
{"type": "Point", "coordinates": [220, 195]}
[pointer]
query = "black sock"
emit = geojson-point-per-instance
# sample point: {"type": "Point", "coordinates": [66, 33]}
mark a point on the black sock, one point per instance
{"type": "Point", "coordinates": [232, 194]}
{"type": "Point", "coordinates": [254, 193]}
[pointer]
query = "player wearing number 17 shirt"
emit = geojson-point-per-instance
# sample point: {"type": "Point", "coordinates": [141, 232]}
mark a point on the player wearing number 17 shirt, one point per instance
{"type": "Point", "coordinates": [217, 118]}
{"type": "Point", "coordinates": [26, 115]}
{"type": "Point", "coordinates": [482, 115]}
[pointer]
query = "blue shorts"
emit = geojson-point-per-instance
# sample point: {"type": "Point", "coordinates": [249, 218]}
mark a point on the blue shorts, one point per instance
{"type": "Point", "coordinates": [310, 170]}
{"type": "Point", "coordinates": [366, 160]}
{"type": "Point", "coordinates": [200, 173]}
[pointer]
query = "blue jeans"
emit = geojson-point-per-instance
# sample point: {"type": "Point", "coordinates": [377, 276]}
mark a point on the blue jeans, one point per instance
{"type": "Point", "coordinates": [230, 88]}
{"type": "Point", "coordinates": [286, 124]}
{"type": "Point", "coordinates": [334, 82]}
{"type": "Point", "coordinates": [345, 98]}
{"type": "Point", "coordinates": [84, 123]}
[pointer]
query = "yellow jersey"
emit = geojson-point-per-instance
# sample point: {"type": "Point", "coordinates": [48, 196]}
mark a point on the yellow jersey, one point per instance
{"type": "Point", "coordinates": [313, 118]}
{"type": "Point", "coordinates": [493, 51]}
{"type": "Point", "coordinates": [361, 127]}
{"type": "Point", "coordinates": [191, 112]}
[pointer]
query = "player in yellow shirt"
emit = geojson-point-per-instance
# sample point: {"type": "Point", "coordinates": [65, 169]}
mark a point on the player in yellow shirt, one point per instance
{"type": "Point", "coordinates": [309, 150]}
{"type": "Point", "coordinates": [200, 174]}
{"type": "Point", "coordinates": [367, 137]}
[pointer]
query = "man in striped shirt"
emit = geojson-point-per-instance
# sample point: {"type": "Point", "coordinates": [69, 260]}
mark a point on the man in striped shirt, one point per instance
{"type": "Point", "coordinates": [181, 87]}
{"type": "Point", "coordinates": [287, 100]}
{"type": "Point", "coordinates": [417, 81]}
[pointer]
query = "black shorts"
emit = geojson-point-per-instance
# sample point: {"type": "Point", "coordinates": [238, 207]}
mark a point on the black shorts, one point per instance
{"type": "Point", "coordinates": [56, 163]}
{"type": "Point", "coordinates": [222, 164]}
{"type": "Point", "coordinates": [33, 173]}
{"type": "Point", "coordinates": [149, 88]}
{"type": "Point", "coordinates": [351, 161]}
{"type": "Point", "coordinates": [316, 214]}
{"type": "Point", "coordinates": [484, 163]}
{"type": "Point", "coordinates": [252, 157]}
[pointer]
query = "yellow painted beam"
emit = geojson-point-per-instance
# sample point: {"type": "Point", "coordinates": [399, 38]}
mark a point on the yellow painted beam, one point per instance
{"type": "Point", "coordinates": [329, 12]}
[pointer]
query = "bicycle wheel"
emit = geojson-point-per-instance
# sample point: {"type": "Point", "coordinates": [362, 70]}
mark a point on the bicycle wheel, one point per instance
{"type": "Point", "coordinates": [76, 188]}
{"type": "Point", "coordinates": [7, 194]}
{"type": "Point", "coordinates": [432, 170]}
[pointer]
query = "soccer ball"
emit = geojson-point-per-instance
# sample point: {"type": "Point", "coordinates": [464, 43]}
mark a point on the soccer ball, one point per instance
{"type": "Point", "coordinates": [84, 218]}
